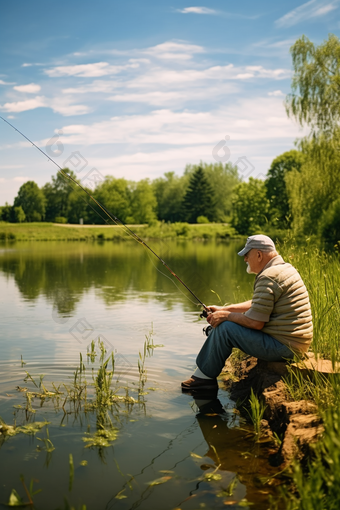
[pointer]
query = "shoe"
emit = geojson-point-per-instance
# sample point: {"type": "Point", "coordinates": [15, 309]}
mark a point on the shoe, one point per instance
{"type": "Point", "coordinates": [196, 383]}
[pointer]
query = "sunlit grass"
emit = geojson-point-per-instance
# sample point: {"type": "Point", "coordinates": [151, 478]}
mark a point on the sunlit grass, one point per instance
{"type": "Point", "coordinates": [317, 483]}
{"type": "Point", "coordinates": [160, 230]}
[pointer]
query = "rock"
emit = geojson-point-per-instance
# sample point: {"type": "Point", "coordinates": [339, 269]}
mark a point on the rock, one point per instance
{"type": "Point", "coordinates": [296, 422]}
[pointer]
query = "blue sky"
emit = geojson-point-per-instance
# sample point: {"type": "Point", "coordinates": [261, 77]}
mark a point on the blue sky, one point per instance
{"type": "Point", "coordinates": [135, 89]}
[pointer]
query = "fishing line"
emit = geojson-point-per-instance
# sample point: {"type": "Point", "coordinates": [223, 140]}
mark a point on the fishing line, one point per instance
{"type": "Point", "coordinates": [171, 280]}
{"type": "Point", "coordinates": [110, 215]}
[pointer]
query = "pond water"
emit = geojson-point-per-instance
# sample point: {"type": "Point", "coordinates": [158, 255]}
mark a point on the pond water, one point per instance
{"type": "Point", "coordinates": [59, 301]}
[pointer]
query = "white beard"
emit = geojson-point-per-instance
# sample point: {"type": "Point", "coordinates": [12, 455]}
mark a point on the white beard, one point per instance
{"type": "Point", "coordinates": [249, 271]}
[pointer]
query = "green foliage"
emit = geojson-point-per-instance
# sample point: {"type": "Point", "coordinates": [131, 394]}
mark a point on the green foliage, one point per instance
{"type": "Point", "coordinates": [321, 275]}
{"type": "Point", "coordinates": [329, 227]}
{"type": "Point", "coordinates": [160, 230]}
{"type": "Point", "coordinates": [276, 186]}
{"type": "Point", "coordinates": [169, 192]}
{"type": "Point", "coordinates": [223, 179]}
{"type": "Point", "coordinates": [315, 97]}
{"type": "Point", "coordinates": [32, 201]}
{"type": "Point", "coordinates": [60, 219]}
{"type": "Point", "coordinates": [202, 219]}
{"type": "Point", "coordinates": [256, 412]}
{"type": "Point", "coordinates": [6, 212]}
{"type": "Point", "coordinates": [65, 199]}
{"type": "Point", "coordinates": [316, 184]}
{"type": "Point", "coordinates": [143, 203]}
{"type": "Point", "coordinates": [199, 198]}
{"type": "Point", "coordinates": [18, 214]}
{"type": "Point", "coordinates": [114, 194]}
{"type": "Point", "coordinates": [16, 500]}
{"type": "Point", "coordinates": [317, 486]}
{"type": "Point", "coordinates": [250, 206]}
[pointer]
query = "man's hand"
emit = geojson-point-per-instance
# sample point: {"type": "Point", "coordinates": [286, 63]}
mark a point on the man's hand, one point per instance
{"type": "Point", "coordinates": [214, 308]}
{"type": "Point", "coordinates": [215, 318]}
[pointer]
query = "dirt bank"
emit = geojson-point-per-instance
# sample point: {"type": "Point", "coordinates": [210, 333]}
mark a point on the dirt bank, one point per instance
{"type": "Point", "coordinates": [296, 424]}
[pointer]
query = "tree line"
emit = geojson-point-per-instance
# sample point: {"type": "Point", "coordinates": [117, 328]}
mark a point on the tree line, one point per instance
{"type": "Point", "coordinates": [301, 192]}
{"type": "Point", "coordinates": [202, 194]}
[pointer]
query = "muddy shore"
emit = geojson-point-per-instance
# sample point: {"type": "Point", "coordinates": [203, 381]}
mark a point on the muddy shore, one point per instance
{"type": "Point", "coordinates": [294, 426]}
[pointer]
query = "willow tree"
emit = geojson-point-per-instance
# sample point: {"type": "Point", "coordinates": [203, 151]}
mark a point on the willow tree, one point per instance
{"type": "Point", "coordinates": [314, 186]}
{"type": "Point", "coordinates": [280, 211]}
{"type": "Point", "coordinates": [315, 97]}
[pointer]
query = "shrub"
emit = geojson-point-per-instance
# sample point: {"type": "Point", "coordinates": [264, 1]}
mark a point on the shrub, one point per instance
{"type": "Point", "coordinates": [202, 219]}
{"type": "Point", "coordinates": [60, 219]}
{"type": "Point", "coordinates": [329, 227]}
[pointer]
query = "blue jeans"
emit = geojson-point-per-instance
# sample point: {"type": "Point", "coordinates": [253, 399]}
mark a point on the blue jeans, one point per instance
{"type": "Point", "coordinates": [219, 344]}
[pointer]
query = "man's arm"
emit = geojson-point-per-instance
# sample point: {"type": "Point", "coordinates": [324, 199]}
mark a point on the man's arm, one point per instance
{"type": "Point", "coordinates": [238, 307]}
{"type": "Point", "coordinates": [219, 316]}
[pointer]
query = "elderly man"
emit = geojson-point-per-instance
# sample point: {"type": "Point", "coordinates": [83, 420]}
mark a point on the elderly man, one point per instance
{"type": "Point", "coordinates": [274, 325]}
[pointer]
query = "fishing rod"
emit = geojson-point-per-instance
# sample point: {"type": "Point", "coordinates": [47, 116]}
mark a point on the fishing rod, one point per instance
{"type": "Point", "coordinates": [112, 217]}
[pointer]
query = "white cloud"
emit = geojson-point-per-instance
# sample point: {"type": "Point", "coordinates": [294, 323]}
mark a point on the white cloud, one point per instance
{"type": "Point", "coordinates": [20, 179]}
{"type": "Point", "coordinates": [154, 98]}
{"type": "Point", "coordinates": [2, 82]}
{"type": "Point", "coordinates": [30, 88]}
{"type": "Point", "coordinates": [172, 50]}
{"type": "Point", "coordinates": [26, 65]}
{"type": "Point", "coordinates": [166, 85]}
{"type": "Point", "coordinates": [97, 86]}
{"type": "Point", "coordinates": [88, 70]}
{"type": "Point", "coordinates": [197, 10]}
{"type": "Point", "coordinates": [251, 119]}
{"type": "Point", "coordinates": [23, 106]}
{"type": "Point", "coordinates": [311, 9]}
{"type": "Point", "coordinates": [163, 140]}
{"type": "Point", "coordinates": [62, 105]}
{"type": "Point", "coordinates": [163, 77]}
{"type": "Point", "coordinates": [325, 10]}
{"type": "Point", "coordinates": [276, 93]}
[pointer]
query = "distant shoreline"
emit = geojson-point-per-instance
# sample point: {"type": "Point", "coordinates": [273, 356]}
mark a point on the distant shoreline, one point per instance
{"type": "Point", "coordinates": [41, 231]}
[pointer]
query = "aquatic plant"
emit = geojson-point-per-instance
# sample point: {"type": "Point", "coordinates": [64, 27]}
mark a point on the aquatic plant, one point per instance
{"type": "Point", "coordinates": [13, 430]}
{"type": "Point", "coordinates": [148, 349]}
{"type": "Point", "coordinates": [16, 500]}
{"type": "Point", "coordinates": [256, 412]}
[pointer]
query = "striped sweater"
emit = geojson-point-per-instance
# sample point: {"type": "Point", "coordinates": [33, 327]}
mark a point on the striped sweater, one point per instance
{"type": "Point", "coordinates": [281, 301]}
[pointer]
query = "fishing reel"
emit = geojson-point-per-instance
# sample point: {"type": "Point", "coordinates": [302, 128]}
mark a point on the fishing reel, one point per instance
{"type": "Point", "coordinates": [207, 329]}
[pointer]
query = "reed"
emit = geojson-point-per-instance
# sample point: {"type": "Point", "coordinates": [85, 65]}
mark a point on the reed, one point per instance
{"type": "Point", "coordinates": [317, 484]}
{"type": "Point", "coordinates": [256, 412]}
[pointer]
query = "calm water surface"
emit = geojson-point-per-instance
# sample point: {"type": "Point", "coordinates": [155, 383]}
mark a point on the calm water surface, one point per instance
{"type": "Point", "coordinates": [56, 298]}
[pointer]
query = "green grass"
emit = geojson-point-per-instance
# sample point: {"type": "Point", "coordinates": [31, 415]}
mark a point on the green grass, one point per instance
{"type": "Point", "coordinates": [160, 230]}
{"type": "Point", "coordinates": [316, 485]}
{"type": "Point", "coordinates": [320, 272]}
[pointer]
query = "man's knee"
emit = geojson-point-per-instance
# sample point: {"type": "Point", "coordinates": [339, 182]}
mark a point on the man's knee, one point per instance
{"type": "Point", "coordinates": [228, 328]}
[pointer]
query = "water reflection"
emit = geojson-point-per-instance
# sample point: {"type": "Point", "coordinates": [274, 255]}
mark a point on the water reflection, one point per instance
{"type": "Point", "coordinates": [235, 450]}
{"type": "Point", "coordinates": [155, 440]}
{"type": "Point", "coordinates": [64, 272]}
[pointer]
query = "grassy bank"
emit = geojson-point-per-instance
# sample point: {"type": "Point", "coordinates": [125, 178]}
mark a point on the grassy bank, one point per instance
{"type": "Point", "coordinates": [317, 484]}
{"type": "Point", "coordinates": [57, 232]}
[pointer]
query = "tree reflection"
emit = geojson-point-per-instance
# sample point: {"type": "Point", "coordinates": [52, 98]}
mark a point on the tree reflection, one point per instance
{"type": "Point", "coordinates": [64, 272]}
